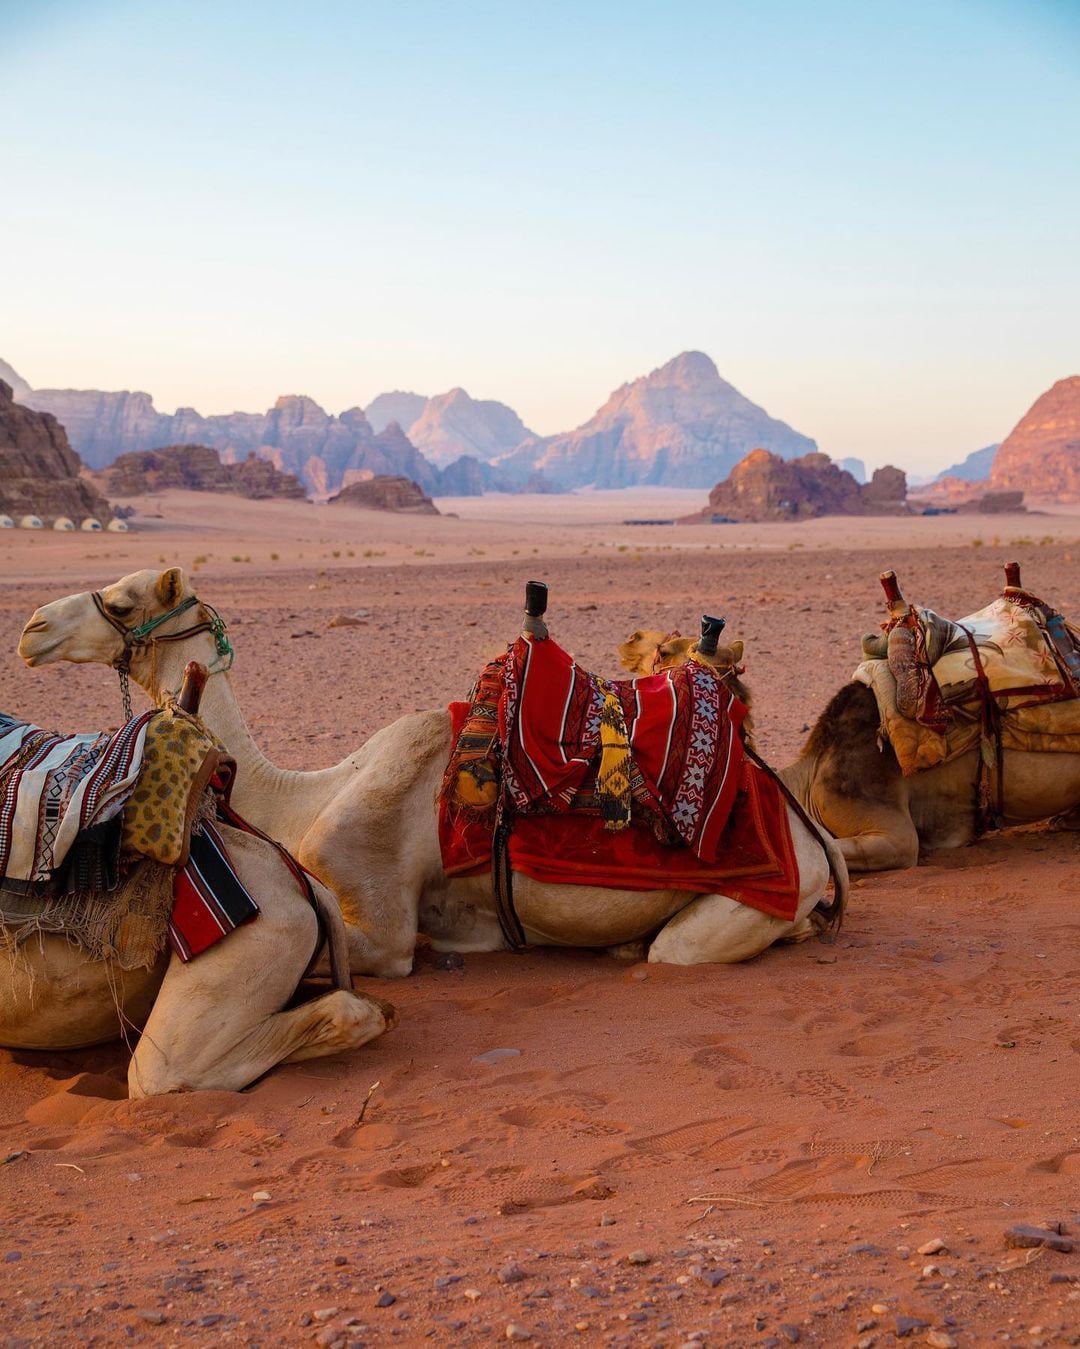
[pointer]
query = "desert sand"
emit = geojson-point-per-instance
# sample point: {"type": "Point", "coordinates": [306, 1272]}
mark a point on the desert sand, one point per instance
{"type": "Point", "coordinates": [585, 1150]}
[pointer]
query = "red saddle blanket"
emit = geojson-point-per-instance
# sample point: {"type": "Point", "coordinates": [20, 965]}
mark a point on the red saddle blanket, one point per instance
{"type": "Point", "coordinates": [705, 818]}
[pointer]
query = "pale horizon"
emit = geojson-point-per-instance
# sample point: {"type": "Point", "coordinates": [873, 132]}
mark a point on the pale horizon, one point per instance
{"type": "Point", "coordinates": [866, 219]}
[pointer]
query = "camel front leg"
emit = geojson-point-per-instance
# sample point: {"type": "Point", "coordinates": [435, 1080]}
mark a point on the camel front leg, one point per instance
{"type": "Point", "coordinates": [218, 1023]}
{"type": "Point", "coordinates": [872, 836]}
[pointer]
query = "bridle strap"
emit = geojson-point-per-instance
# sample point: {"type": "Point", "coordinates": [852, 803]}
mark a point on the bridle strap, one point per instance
{"type": "Point", "coordinates": [145, 634]}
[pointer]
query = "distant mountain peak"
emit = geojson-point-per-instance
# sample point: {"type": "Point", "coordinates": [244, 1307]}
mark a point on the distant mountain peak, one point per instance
{"type": "Point", "coordinates": [689, 370]}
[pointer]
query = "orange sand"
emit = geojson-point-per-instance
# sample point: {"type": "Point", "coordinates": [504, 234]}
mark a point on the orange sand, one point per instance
{"type": "Point", "coordinates": [778, 1138]}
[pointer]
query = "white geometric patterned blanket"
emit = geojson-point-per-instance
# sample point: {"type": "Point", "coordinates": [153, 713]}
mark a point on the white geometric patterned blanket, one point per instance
{"type": "Point", "coordinates": [53, 786]}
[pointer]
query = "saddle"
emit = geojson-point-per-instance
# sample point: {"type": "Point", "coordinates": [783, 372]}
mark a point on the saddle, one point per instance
{"type": "Point", "coordinates": [1004, 677]}
{"type": "Point", "coordinates": [110, 838]}
{"type": "Point", "coordinates": [638, 784]}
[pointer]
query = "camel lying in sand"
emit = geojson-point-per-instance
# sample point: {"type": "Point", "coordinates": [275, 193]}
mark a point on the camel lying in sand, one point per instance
{"type": "Point", "coordinates": [368, 826]}
{"type": "Point", "coordinates": [215, 1023]}
{"type": "Point", "coordinates": [854, 787]}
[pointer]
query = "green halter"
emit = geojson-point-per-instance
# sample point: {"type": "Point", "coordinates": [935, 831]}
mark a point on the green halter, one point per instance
{"type": "Point", "coordinates": [142, 635]}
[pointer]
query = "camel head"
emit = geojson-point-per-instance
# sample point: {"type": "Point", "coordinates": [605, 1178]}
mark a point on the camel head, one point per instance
{"type": "Point", "coordinates": [648, 652]}
{"type": "Point", "coordinates": [74, 629]}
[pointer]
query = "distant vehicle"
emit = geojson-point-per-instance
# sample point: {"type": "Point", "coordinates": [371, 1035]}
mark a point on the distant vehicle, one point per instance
{"type": "Point", "coordinates": [648, 522]}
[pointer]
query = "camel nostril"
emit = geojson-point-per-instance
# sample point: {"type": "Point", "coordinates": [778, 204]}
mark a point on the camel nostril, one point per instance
{"type": "Point", "coordinates": [36, 625]}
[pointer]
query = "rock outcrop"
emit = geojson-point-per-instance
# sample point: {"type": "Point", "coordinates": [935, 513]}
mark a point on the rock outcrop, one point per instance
{"type": "Point", "coordinates": [197, 468]}
{"type": "Point", "coordinates": [1041, 455]}
{"type": "Point", "coordinates": [765, 487]}
{"type": "Point", "coordinates": [681, 426]}
{"type": "Point", "coordinates": [382, 493]}
{"type": "Point", "coordinates": [39, 471]}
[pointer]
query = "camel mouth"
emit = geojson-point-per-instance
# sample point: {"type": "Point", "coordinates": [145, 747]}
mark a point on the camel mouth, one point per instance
{"type": "Point", "coordinates": [36, 654]}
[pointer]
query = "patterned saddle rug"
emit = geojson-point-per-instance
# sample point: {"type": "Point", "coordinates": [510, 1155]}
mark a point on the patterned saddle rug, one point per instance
{"type": "Point", "coordinates": [110, 840]}
{"type": "Point", "coordinates": [936, 689]}
{"type": "Point", "coordinates": [633, 784]}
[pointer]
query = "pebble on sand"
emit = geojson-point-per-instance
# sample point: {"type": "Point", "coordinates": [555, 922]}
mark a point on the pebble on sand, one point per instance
{"type": "Point", "coordinates": [494, 1055]}
{"type": "Point", "coordinates": [940, 1339]}
{"type": "Point", "coordinates": [638, 1257]}
{"type": "Point", "coordinates": [934, 1247]}
{"type": "Point", "coordinates": [1023, 1236]}
{"type": "Point", "coordinates": [514, 1331]}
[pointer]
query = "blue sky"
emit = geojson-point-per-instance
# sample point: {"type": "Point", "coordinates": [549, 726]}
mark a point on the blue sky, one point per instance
{"type": "Point", "coordinates": [866, 213]}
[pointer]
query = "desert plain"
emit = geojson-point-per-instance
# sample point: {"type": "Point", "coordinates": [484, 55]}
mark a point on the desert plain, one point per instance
{"type": "Point", "coordinates": [823, 1146]}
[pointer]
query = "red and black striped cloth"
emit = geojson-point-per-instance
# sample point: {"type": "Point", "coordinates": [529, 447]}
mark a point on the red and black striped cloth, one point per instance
{"type": "Point", "coordinates": [209, 898]}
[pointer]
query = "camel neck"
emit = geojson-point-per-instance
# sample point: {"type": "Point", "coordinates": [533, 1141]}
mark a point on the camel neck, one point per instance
{"type": "Point", "coordinates": [280, 801]}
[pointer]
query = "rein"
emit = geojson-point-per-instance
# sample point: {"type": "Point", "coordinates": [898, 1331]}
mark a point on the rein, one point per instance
{"type": "Point", "coordinates": [142, 635]}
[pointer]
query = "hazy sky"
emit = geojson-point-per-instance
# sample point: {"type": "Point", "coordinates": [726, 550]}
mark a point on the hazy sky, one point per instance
{"type": "Point", "coordinates": [867, 213]}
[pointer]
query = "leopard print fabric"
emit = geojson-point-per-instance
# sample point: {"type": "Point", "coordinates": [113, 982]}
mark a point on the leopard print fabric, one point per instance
{"type": "Point", "coordinates": [179, 758]}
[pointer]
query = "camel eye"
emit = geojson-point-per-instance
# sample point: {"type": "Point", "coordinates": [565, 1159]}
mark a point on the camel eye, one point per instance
{"type": "Point", "coordinates": [119, 609]}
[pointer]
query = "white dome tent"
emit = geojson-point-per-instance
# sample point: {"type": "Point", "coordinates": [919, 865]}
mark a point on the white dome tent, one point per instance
{"type": "Point", "coordinates": [90, 525]}
{"type": "Point", "coordinates": [63, 525]}
{"type": "Point", "coordinates": [31, 522]}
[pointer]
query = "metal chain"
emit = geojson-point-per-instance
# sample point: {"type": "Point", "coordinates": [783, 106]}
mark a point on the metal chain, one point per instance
{"type": "Point", "coordinates": [125, 692]}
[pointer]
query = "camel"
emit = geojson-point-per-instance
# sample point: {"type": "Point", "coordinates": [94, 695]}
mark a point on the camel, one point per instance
{"type": "Point", "coordinates": [367, 827]}
{"type": "Point", "coordinates": [852, 785]}
{"type": "Point", "coordinates": [214, 1024]}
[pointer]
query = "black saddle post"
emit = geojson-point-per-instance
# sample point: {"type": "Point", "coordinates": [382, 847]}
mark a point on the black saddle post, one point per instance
{"type": "Point", "coordinates": [536, 601]}
{"type": "Point", "coordinates": [711, 628]}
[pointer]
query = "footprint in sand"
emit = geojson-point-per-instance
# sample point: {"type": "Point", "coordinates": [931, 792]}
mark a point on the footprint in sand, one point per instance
{"type": "Point", "coordinates": [833, 1095]}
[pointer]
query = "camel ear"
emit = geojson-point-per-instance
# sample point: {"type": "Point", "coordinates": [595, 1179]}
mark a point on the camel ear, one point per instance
{"type": "Point", "coordinates": [634, 636]}
{"type": "Point", "coordinates": [169, 587]}
{"type": "Point", "coordinates": [737, 649]}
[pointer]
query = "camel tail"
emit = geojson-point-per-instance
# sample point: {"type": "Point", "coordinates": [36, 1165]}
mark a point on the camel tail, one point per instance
{"type": "Point", "coordinates": [832, 914]}
{"type": "Point", "coordinates": [337, 946]}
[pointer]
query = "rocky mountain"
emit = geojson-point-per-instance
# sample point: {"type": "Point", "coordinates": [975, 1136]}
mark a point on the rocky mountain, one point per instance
{"type": "Point", "coordinates": [296, 434]}
{"type": "Point", "coordinates": [15, 382]}
{"type": "Point", "coordinates": [400, 407]}
{"type": "Point", "coordinates": [380, 493]}
{"type": "Point", "coordinates": [762, 486]}
{"type": "Point", "coordinates": [680, 426]}
{"type": "Point", "coordinates": [975, 468]}
{"type": "Point", "coordinates": [1041, 455]}
{"type": "Point", "coordinates": [855, 467]}
{"type": "Point", "coordinates": [197, 468]}
{"type": "Point", "coordinates": [39, 471]}
{"type": "Point", "coordinates": [452, 424]}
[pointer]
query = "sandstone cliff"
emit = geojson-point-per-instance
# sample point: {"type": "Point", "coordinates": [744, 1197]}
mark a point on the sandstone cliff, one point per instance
{"type": "Point", "coordinates": [765, 487]}
{"type": "Point", "coordinates": [39, 471]}
{"type": "Point", "coordinates": [681, 426]}
{"type": "Point", "coordinates": [197, 468]}
{"type": "Point", "coordinates": [1041, 455]}
{"type": "Point", "coordinates": [386, 494]}
{"type": "Point", "coordinates": [297, 434]}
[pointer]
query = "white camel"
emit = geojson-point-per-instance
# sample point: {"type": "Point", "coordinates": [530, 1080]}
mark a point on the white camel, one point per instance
{"type": "Point", "coordinates": [215, 1023]}
{"type": "Point", "coordinates": [367, 827]}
